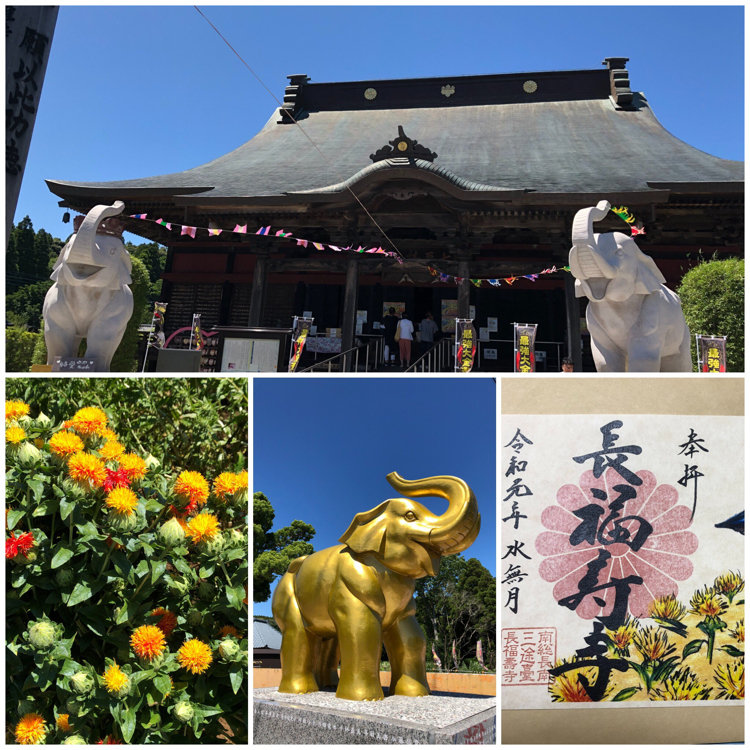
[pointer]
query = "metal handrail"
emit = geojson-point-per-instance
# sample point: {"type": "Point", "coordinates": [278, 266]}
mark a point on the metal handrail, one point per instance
{"type": "Point", "coordinates": [436, 358]}
{"type": "Point", "coordinates": [343, 356]}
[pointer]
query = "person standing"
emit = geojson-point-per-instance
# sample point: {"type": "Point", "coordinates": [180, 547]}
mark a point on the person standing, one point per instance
{"type": "Point", "coordinates": [390, 322]}
{"type": "Point", "coordinates": [427, 330]}
{"type": "Point", "coordinates": [406, 336]}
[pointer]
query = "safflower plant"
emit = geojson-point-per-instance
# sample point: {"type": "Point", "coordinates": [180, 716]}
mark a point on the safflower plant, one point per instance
{"type": "Point", "coordinates": [126, 578]}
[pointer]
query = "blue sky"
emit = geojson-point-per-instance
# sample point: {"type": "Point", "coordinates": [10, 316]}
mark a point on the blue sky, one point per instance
{"type": "Point", "coordinates": [135, 91]}
{"type": "Point", "coordinates": [323, 447]}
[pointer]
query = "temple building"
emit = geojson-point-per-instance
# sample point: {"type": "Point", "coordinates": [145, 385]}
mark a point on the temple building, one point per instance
{"type": "Point", "coordinates": [464, 190]}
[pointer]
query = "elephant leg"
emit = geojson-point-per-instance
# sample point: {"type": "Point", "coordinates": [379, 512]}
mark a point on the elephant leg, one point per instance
{"type": "Point", "coordinates": [326, 663]}
{"type": "Point", "coordinates": [106, 331]}
{"type": "Point", "coordinates": [644, 355]}
{"type": "Point", "coordinates": [406, 645]}
{"type": "Point", "coordinates": [360, 640]}
{"type": "Point", "coordinates": [298, 646]}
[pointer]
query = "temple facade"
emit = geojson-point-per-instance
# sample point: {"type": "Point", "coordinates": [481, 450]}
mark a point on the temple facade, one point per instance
{"type": "Point", "coordinates": [463, 190]}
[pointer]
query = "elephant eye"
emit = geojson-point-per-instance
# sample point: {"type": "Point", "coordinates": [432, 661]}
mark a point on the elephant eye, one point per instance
{"type": "Point", "coordinates": [410, 516]}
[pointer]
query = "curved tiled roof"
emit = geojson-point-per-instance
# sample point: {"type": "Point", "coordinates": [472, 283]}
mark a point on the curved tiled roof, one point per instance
{"type": "Point", "coordinates": [265, 636]}
{"type": "Point", "coordinates": [567, 136]}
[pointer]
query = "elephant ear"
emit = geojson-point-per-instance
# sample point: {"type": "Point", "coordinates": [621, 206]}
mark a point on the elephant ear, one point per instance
{"type": "Point", "coordinates": [648, 276]}
{"type": "Point", "coordinates": [366, 532]}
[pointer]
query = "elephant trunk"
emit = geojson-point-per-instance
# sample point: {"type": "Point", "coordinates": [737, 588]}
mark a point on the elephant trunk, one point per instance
{"type": "Point", "coordinates": [587, 264]}
{"type": "Point", "coordinates": [82, 250]}
{"type": "Point", "coordinates": [459, 525]}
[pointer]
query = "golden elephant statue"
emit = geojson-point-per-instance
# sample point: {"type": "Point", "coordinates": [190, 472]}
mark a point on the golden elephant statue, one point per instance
{"type": "Point", "coordinates": [343, 603]}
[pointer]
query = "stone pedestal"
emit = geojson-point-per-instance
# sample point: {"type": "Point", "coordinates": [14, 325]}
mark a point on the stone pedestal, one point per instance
{"type": "Point", "coordinates": [321, 718]}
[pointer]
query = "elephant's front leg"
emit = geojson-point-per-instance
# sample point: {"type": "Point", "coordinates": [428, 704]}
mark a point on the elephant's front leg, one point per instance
{"type": "Point", "coordinates": [360, 641]}
{"type": "Point", "coordinates": [405, 644]}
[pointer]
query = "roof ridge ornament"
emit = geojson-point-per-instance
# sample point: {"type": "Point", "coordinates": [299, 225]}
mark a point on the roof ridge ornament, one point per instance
{"type": "Point", "coordinates": [403, 146]}
{"type": "Point", "coordinates": [619, 81]}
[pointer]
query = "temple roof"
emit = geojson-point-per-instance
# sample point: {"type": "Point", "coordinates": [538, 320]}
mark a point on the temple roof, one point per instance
{"type": "Point", "coordinates": [544, 133]}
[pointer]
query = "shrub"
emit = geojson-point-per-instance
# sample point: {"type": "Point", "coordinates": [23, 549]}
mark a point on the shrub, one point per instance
{"type": "Point", "coordinates": [19, 348]}
{"type": "Point", "coordinates": [117, 631]}
{"type": "Point", "coordinates": [712, 296]}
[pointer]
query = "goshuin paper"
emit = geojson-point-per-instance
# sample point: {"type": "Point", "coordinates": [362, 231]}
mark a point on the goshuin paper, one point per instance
{"type": "Point", "coordinates": [622, 577]}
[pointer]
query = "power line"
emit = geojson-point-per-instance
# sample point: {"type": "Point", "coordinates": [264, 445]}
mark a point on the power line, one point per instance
{"type": "Point", "coordinates": [312, 142]}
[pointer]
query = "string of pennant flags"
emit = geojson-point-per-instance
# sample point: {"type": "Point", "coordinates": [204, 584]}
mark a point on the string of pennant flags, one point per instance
{"type": "Point", "coordinates": [636, 228]}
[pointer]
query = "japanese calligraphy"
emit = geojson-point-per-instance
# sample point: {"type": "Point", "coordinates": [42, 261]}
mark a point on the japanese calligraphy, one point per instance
{"type": "Point", "coordinates": [692, 446]}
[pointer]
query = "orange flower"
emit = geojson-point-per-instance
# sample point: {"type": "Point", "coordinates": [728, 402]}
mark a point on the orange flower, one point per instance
{"type": "Point", "coordinates": [148, 642]}
{"type": "Point", "coordinates": [62, 722]}
{"type": "Point", "coordinates": [134, 466]}
{"type": "Point", "coordinates": [30, 730]}
{"type": "Point", "coordinates": [65, 444]}
{"type": "Point", "coordinates": [203, 528]}
{"type": "Point", "coordinates": [226, 484]}
{"type": "Point", "coordinates": [195, 656]}
{"type": "Point", "coordinates": [14, 410]}
{"type": "Point", "coordinates": [122, 501]}
{"type": "Point", "coordinates": [107, 434]}
{"type": "Point", "coordinates": [88, 421]}
{"type": "Point", "coordinates": [84, 467]}
{"type": "Point", "coordinates": [168, 621]}
{"type": "Point", "coordinates": [229, 630]}
{"type": "Point", "coordinates": [193, 487]}
{"type": "Point", "coordinates": [111, 450]}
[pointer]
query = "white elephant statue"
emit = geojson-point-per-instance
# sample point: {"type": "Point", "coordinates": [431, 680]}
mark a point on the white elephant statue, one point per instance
{"type": "Point", "coordinates": [90, 297]}
{"type": "Point", "coordinates": [636, 323]}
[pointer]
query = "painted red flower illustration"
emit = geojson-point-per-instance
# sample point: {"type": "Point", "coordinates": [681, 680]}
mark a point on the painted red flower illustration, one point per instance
{"type": "Point", "coordinates": [661, 561]}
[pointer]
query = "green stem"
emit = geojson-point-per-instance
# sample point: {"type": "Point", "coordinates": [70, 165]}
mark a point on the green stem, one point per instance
{"type": "Point", "coordinates": [140, 585]}
{"type": "Point", "coordinates": [711, 638]}
{"type": "Point", "coordinates": [226, 575]}
{"type": "Point", "coordinates": [52, 532]}
{"type": "Point", "coordinates": [106, 562]}
{"type": "Point", "coordinates": [70, 527]}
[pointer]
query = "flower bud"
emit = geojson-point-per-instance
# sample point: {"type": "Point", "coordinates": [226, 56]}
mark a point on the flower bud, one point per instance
{"type": "Point", "coordinates": [64, 578]}
{"type": "Point", "coordinates": [194, 618]}
{"type": "Point", "coordinates": [43, 420]}
{"type": "Point", "coordinates": [183, 711]}
{"type": "Point", "coordinates": [42, 634]}
{"type": "Point", "coordinates": [82, 683]}
{"type": "Point", "coordinates": [28, 454]}
{"type": "Point", "coordinates": [151, 461]}
{"type": "Point", "coordinates": [171, 533]}
{"type": "Point", "coordinates": [27, 559]}
{"type": "Point", "coordinates": [73, 490]}
{"type": "Point", "coordinates": [71, 706]}
{"type": "Point", "coordinates": [74, 739]}
{"type": "Point", "coordinates": [235, 538]}
{"type": "Point", "coordinates": [228, 649]}
{"type": "Point", "coordinates": [122, 522]}
{"type": "Point", "coordinates": [119, 585]}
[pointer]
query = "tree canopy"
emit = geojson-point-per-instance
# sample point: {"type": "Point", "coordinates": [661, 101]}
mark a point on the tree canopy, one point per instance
{"type": "Point", "coordinates": [712, 296]}
{"type": "Point", "coordinates": [274, 550]}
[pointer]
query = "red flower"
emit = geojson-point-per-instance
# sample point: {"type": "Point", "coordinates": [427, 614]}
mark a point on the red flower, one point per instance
{"type": "Point", "coordinates": [115, 479]}
{"type": "Point", "coordinates": [22, 544]}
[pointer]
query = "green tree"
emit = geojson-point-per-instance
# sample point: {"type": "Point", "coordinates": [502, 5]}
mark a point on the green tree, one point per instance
{"type": "Point", "coordinates": [458, 605]}
{"type": "Point", "coordinates": [274, 550]}
{"type": "Point", "coordinates": [126, 356]}
{"type": "Point", "coordinates": [24, 306]}
{"type": "Point", "coordinates": [712, 296]}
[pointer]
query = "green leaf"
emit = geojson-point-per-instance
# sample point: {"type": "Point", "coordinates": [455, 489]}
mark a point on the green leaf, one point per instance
{"type": "Point", "coordinates": [142, 568]}
{"type": "Point", "coordinates": [235, 595]}
{"type": "Point", "coordinates": [206, 571]}
{"type": "Point", "coordinates": [235, 678]}
{"type": "Point", "coordinates": [162, 684]}
{"type": "Point", "coordinates": [158, 567]}
{"type": "Point", "coordinates": [732, 651]}
{"type": "Point", "coordinates": [61, 556]}
{"type": "Point", "coordinates": [124, 613]}
{"type": "Point", "coordinates": [80, 593]}
{"type": "Point", "coordinates": [127, 725]}
{"type": "Point", "coordinates": [122, 565]}
{"type": "Point", "coordinates": [621, 696]}
{"type": "Point", "coordinates": [66, 507]}
{"type": "Point", "coordinates": [182, 566]}
{"type": "Point", "coordinates": [37, 487]}
{"type": "Point", "coordinates": [693, 647]}
{"type": "Point", "coordinates": [14, 516]}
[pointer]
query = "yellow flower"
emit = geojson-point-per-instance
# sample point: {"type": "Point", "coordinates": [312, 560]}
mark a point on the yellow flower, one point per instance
{"type": "Point", "coordinates": [226, 484]}
{"type": "Point", "coordinates": [134, 466]}
{"type": "Point", "coordinates": [15, 434]}
{"type": "Point", "coordinates": [706, 603]}
{"type": "Point", "coordinates": [565, 687]}
{"type": "Point", "coordinates": [739, 631]}
{"type": "Point", "coordinates": [106, 433]}
{"type": "Point", "coordinates": [122, 501]}
{"type": "Point", "coordinates": [729, 584]}
{"type": "Point", "coordinates": [731, 680]}
{"type": "Point", "coordinates": [84, 467]}
{"type": "Point", "coordinates": [62, 722]}
{"type": "Point", "coordinates": [667, 608]}
{"type": "Point", "coordinates": [191, 486]}
{"type": "Point", "coordinates": [30, 730]}
{"type": "Point", "coordinates": [195, 656]}
{"type": "Point", "coordinates": [114, 678]}
{"type": "Point", "coordinates": [682, 685]}
{"type": "Point", "coordinates": [653, 644]}
{"type": "Point", "coordinates": [65, 444]}
{"type": "Point", "coordinates": [111, 450]}
{"type": "Point", "coordinates": [148, 642]}
{"type": "Point", "coordinates": [203, 528]}
{"type": "Point", "coordinates": [88, 421]}
{"type": "Point", "coordinates": [623, 636]}
{"type": "Point", "coordinates": [14, 410]}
